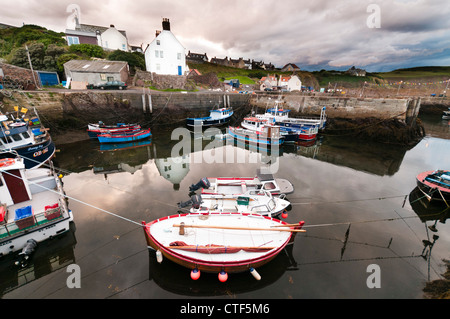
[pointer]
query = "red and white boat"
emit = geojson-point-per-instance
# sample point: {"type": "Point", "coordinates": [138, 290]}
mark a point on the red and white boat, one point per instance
{"type": "Point", "coordinates": [240, 185]}
{"type": "Point", "coordinates": [219, 242]}
{"type": "Point", "coordinates": [435, 185]}
{"type": "Point", "coordinates": [94, 130]}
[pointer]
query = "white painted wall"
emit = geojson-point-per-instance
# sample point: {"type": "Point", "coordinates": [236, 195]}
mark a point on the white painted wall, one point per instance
{"type": "Point", "coordinates": [165, 54]}
{"type": "Point", "coordinates": [112, 39]}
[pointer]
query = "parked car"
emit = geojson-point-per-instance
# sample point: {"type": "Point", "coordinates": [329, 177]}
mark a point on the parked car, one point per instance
{"type": "Point", "coordinates": [112, 85]}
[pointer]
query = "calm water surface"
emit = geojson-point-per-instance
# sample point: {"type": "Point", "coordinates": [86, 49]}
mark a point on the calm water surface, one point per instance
{"type": "Point", "coordinates": [353, 196]}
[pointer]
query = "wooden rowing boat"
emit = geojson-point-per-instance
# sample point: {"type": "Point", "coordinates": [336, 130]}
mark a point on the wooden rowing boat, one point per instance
{"type": "Point", "coordinates": [219, 242]}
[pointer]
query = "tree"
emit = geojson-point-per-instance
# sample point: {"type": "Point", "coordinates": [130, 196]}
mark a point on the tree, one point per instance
{"type": "Point", "coordinates": [134, 59]}
{"type": "Point", "coordinates": [66, 57]}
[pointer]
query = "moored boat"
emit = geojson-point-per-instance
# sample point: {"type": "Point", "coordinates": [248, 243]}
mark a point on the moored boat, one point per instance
{"type": "Point", "coordinates": [435, 185]}
{"type": "Point", "coordinates": [219, 242]}
{"type": "Point", "coordinates": [33, 207]}
{"type": "Point", "coordinates": [216, 117]}
{"type": "Point", "coordinates": [290, 133]}
{"type": "Point", "coordinates": [26, 137]}
{"type": "Point", "coordinates": [240, 185]}
{"type": "Point", "coordinates": [124, 136]}
{"type": "Point", "coordinates": [252, 201]}
{"type": "Point", "coordinates": [280, 116]}
{"type": "Point", "coordinates": [267, 136]}
{"type": "Point", "coordinates": [95, 129]}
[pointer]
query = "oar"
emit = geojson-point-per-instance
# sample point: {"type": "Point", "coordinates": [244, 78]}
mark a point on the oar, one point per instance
{"type": "Point", "coordinates": [287, 225]}
{"type": "Point", "coordinates": [218, 247]}
{"type": "Point", "coordinates": [240, 228]}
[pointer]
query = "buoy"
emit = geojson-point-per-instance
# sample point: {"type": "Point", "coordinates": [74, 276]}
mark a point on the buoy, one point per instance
{"type": "Point", "coordinates": [60, 176]}
{"type": "Point", "coordinates": [255, 274]}
{"type": "Point", "coordinates": [284, 214]}
{"type": "Point", "coordinates": [195, 274]}
{"type": "Point", "coordinates": [223, 276]}
{"type": "Point", "coordinates": [159, 257]}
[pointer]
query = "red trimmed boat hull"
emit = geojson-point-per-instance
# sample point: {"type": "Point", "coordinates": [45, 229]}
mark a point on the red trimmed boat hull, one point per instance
{"type": "Point", "coordinates": [431, 190]}
{"type": "Point", "coordinates": [212, 266]}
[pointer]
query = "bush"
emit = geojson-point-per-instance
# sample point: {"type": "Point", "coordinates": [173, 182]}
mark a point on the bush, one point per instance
{"type": "Point", "coordinates": [87, 50]}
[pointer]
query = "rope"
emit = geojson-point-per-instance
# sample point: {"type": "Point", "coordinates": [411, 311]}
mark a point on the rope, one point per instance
{"type": "Point", "coordinates": [77, 200]}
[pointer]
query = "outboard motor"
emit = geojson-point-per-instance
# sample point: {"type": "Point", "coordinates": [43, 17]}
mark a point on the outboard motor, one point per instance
{"type": "Point", "coordinates": [195, 202]}
{"type": "Point", "coordinates": [26, 252]}
{"type": "Point", "coordinates": [203, 183]}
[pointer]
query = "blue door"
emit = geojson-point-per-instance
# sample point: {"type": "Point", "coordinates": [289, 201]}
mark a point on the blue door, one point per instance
{"type": "Point", "coordinates": [179, 70]}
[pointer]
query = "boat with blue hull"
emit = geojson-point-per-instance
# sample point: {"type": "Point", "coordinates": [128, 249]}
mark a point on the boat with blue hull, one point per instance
{"type": "Point", "coordinates": [24, 136]}
{"type": "Point", "coordinates": [125, 136]}
{"type": "Point", "coordinates": [216, 117]}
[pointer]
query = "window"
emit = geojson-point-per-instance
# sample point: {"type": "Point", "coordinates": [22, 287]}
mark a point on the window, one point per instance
{"type": "Point", "coordinates": [158, 42]}
{"type": "Point", "coordinates": [179, 56]}
{"type": "Point", "coordinates": [103, 77]}
{"type": "Point", "coordinates": [161, 54]}
{"type": "Point", "coordinates": [156, 54]}
{"type": "Point", "coordinates": [123, 47]}
{"type": "Point", "coordinates": [73, 40]}
{"type": "Point", "coordinates": [16, 137]}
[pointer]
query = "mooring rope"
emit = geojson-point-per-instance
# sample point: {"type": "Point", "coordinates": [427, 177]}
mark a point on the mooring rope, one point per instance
{"type": "Point", "coordinates": [305, 226]}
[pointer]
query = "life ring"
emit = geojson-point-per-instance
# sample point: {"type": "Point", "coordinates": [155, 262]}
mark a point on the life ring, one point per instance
{"type": "Point", "coordinates": [6, 162]}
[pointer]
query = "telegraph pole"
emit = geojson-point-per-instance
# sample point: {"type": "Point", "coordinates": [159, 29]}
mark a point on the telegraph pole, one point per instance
{"type": "Point", "coordinates": [31, 67]}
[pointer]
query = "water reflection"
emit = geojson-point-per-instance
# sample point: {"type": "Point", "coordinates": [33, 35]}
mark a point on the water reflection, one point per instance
{"type": "Point", "coordinates": [428, 211]}
{"type": "Point", "coordinates": [378, 159]}
{"type": "Point", "coordinates": [51, 255]}
{"type": "Point", "coordinates": [175, 278]}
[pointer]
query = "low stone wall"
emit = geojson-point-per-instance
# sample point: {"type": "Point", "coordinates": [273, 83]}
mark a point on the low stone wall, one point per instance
{"type": "Point", "coordinates": [159, 81]}
{"type": "Point", "coordinates": [336, 107]}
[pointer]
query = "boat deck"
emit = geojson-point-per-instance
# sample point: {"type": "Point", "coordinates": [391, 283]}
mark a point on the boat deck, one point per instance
{"type": "Point", "coordinates": [165, 233]}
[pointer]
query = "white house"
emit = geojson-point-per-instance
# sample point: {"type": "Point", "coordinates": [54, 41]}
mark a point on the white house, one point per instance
{"type": "Point", "coordinates": [165, 54]}
{"type": "Point", "coordinates": [290, 83]}
{"type": "Point", "coordinates": [267, 82]}
{"type": "Point", "coordinates": [113, 39]}
{"type": "Point", "coordinates": [108, 38]}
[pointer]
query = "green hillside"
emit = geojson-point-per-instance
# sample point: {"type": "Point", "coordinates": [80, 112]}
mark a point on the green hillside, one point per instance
{"type": "Point", "coordinates": [424, 72]}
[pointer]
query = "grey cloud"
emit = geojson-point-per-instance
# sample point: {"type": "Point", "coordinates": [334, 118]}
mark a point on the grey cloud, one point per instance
{"type": "Point", "coordinates": [305, 32]}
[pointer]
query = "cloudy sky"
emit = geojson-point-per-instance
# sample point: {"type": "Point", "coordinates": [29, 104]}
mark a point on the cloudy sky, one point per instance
{"type": "Point", "coordinates": [378, 35]}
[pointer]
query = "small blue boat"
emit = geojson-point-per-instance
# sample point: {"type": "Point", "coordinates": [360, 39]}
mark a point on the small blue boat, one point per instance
{"type": "Point", "coordinates": [124, 136]}
{"type": "Point", "coordinates": [216, 117]}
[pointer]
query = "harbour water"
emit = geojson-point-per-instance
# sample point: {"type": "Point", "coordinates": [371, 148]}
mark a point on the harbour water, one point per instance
{"type": "Point", "coordinates": [353, 196]}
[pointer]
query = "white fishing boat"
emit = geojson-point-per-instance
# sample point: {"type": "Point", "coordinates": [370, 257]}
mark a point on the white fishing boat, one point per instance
{"type": "Point", "coordinates": [32, 209]}
{"type": "Point", "coordinates": [219, 242]}
{"type": "Point", "coordinates": [240, 185]}
{"type": "Point", "coordinates": [280, 116]}
{"type": "Point", "coordinates": [259, 202]}
{"type": "Point", "coordinates": [216, 117]}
